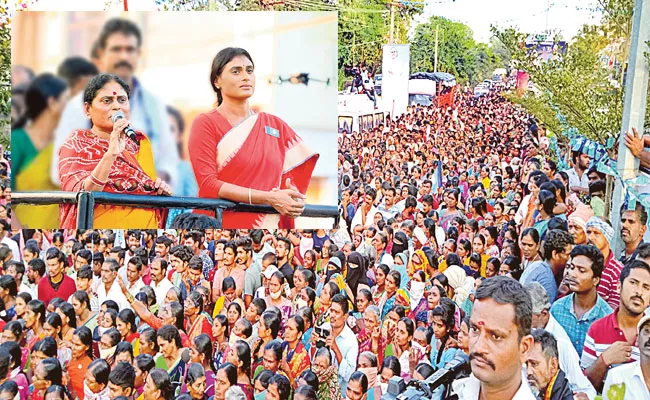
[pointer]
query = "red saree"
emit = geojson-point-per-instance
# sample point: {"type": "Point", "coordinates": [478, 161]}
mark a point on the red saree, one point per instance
{"type": "Point", "coordinates": [133, 172]}
{"type": "Point", "coordinates": [259, 153]}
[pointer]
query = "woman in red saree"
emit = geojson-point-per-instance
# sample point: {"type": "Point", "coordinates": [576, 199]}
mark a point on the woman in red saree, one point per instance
{"type": "Point", "coordinates": [246, 157]}
{"type": "Point", "coordinates": [102, 159]}
{"type": "Point", "coordinates": [196, 321]}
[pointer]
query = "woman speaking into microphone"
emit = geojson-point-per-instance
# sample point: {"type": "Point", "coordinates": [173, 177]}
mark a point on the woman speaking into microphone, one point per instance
{"type": "Point", "coordinates": [248, 157]}
{"type": "Point", "coordinates": [105, 159]}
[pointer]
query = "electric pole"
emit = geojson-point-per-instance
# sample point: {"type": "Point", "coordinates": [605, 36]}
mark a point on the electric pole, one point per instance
{"type": "Point", "coordinates": [636, 88]}
{"type": "Point", "coordinates": [392, 23]}
{"type": "Point", "coordinates": [435, 60]}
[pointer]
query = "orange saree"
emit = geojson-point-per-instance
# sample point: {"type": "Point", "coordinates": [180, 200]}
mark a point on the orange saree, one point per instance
{"type": "Point", "coordinates": [259, 153]}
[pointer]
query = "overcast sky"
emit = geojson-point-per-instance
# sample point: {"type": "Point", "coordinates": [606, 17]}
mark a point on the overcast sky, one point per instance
{"type": "Point", "coordinates": [529, 16]}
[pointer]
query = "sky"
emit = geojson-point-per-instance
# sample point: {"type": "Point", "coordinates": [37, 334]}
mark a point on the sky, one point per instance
{"type": "Point", "coordinates": [528, 16]}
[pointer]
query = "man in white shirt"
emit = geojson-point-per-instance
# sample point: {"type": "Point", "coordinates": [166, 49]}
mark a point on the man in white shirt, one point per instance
{"type": "Point", "coordinates": [17, 270]}
{"type": "Point", "coordinates": [133, 280]}
{"type": "Point", "coordinates": [365, 215]}
{"type": "Point", "coordinates": [5, 228]}
{"type": "Point", "coordinates": [342, 341]}
{"type": "Point", "coordinates": [109, 289]}
{"type": "Point", "coordinates": [568, 356]}
{"type": "Point", "coordinates": [159, 281]}
{"type": "Point", "coordinates": [500, 326]}
{"type": "Point", "coordinates": [628, 381]}
{"type": "Point", "coordinates": [578, 179]}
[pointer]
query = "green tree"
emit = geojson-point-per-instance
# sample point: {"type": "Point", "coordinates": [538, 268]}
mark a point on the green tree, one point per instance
{"type": "Point", "coordinates": [589, 95]}
{"type": "Point", "coordinates": [364, 28]}
{"type": "Point", "coordinates": [458, 53]}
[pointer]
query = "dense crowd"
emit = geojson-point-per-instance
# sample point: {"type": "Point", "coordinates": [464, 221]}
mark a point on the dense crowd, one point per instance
{"type": "Point", "coordinates": [442, 203]}
{"type": "Point", "coordinates": [457, 236]}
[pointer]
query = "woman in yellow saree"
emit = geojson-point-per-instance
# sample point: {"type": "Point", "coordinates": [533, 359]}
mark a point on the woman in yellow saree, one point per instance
{"type": "Point", "coordinates": [31, 148]}
{"type": "Point", "coordinates": [102, 159]}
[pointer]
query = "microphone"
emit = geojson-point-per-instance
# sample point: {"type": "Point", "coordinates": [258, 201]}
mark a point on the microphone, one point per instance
{"type": "Point", "coordinates": [128, 131]}
{"type": "Point", "coordinates": [459, 364]}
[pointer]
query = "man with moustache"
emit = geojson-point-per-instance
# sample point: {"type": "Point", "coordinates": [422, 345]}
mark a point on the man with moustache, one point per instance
{"type": "Point", "coordinates": [499, 338]}
{"type": "Point", "coordinates": [119, 51]}
{"type": "Point", "coordinates": [630, 381]}
{"type": "Point", "coordinates": [577, 311]}
{"type": "Point", "coordinates": [612, 340]}
{"type": "Point", "coordinates": [163, 245]}
{"type": "Point", "coordinates": [633, 227]}
{"type": "Point", "coordinates": [568, 359]}
{"type": "Point", "coordinates": [544, 374]}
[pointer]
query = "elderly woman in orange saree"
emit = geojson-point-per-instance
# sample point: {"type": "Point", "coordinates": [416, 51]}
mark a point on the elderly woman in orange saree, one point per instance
{"type": "Point", "coordinates": [102, 159]}
{"type": "Point", "coordinates": [248, 157]}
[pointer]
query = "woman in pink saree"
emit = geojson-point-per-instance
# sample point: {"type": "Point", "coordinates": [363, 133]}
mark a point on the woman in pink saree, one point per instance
{"type": "Point", "coordinates": [242, 156]}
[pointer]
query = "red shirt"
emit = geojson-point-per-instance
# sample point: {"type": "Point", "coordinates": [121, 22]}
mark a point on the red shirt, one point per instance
{"type": "Point", "coordinates": [46, 291]}
{"type": "Point", "coordinates": [609, 279]}
{"type": "Point", "coordinates": [602, 334]}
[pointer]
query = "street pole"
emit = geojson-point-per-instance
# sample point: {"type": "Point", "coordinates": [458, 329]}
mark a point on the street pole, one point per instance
{"type": "Point", "coordinates": [636, 87]}
{"type": "Point", "coordinates": [392, 23]}
{"type": "Point", "coordinates": [126, 5]}
{"type": "Point", "coordinates": [435, 60]}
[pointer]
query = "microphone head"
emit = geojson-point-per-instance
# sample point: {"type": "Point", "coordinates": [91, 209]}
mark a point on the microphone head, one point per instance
{"type": "Point", "coordinates": [118, 115]}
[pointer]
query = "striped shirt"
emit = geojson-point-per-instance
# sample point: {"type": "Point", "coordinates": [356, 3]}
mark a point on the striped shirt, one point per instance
{"type": "Point", "coordinates": [563, 311]}
{"type": "Point", "coordinates": [609, 279]}
{"type": "Point", "coordinates": [602, 334]}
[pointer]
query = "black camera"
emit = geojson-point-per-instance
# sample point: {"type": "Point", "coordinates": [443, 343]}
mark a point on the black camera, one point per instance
{"type": "Point", "coordinates": [323, 334]}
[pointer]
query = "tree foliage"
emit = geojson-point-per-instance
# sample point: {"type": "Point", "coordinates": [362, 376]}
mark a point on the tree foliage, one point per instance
{"type": "Point", "coordinates": [587, 93]}
{"type": "Point", "coordinates": [458, 53]}
{"type": "Point", "coordinates": [364, 28]}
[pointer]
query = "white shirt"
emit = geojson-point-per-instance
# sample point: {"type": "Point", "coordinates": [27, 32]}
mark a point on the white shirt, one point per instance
{"type": "Point", "coordinates": [15, 252]}
{"type": "Point", "coordinates": [24, 288]}
{"type": "Point", "coordinates": [632, 377]}
{"type": "Point", "coordinates": [469, 389]}
{"type": "Point", "coordinates": [574, 180]}
{"type": "Point", "coordinates": [569, 359]}
{"type": "Point", "coordinates": [135, 289]}
{"type": "Point", "coordinates": [370, 217]}
{"type": "Point", "coordinates": [161, 290]}
{"type": "Point", "coordinates": [387, 259]}
{"type": "Point", "coordinates": [114, 293]}
{"type": "Point", "coordinates": [267, 248]}
{"type": "Point", "coordinates": [349, 347]}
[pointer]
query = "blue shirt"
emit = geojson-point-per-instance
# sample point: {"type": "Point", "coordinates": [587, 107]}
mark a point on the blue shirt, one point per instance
{"type": "Point", "coordinates": [541, 272]}
{"type": "Point", "coordinates": [563, 311]}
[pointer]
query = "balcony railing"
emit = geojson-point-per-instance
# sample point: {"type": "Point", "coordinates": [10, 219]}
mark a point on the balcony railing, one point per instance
{"type": "Point", "coordinates": [86, 202]}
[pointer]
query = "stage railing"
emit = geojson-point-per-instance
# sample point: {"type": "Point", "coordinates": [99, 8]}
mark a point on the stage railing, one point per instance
{"type": "Point", "coordinates": [86, 202]}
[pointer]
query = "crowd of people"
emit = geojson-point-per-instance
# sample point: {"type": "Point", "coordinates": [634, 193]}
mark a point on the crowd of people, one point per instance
{"type": "Point", "coordinates": [458, 236]}
{"type": "Point", "coordinates": [469, 227]}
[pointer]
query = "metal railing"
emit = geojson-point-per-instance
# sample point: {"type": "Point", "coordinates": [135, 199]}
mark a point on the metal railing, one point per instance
{"type": "Point", "coordinates": [86, 202]}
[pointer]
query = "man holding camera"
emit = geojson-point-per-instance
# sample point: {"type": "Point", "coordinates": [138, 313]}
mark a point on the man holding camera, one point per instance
{"type": "Point", "coordinates": [499, 338]}
{"type": "Point", "coordinates": [341, 341]}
